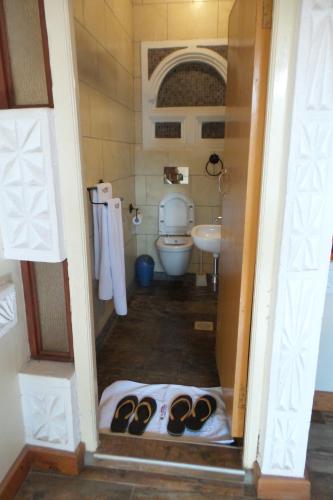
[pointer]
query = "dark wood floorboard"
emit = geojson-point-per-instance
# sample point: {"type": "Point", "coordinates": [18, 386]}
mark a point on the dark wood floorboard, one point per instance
{"type": "Point", "coordinates": [156, 342]}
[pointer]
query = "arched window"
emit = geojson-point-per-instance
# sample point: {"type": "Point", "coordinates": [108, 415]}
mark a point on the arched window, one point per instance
{"type": "Point", "coordinates": [183, 94]}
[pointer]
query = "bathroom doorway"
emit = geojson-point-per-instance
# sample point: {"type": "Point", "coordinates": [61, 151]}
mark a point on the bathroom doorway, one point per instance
{"type": "Point", "coordinates": [169, 333]}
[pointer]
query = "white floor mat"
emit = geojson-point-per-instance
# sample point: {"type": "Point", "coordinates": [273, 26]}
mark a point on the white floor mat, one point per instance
{"type": "Point", "coordinates": [215, 430]}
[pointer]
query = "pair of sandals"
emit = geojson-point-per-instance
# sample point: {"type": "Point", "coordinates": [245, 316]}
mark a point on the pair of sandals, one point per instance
{"type": "Point", "coordinates": [143, 412]}
{"type": "Point", "coordinates": [183, 413]}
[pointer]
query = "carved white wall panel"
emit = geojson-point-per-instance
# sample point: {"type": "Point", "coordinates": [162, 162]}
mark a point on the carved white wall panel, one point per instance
{"type": "Point", "coordinates": [49, 404]}
{"type": "Point", "coordinates": [305, 249]}
{"type": "Point", "coordinates": [29, 196]}
{"type": "Point", "coordinates": [8, 311]}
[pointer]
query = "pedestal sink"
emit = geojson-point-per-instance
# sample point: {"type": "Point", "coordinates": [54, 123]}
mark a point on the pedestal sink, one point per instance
{"type": "Point", "coordinates": [207, 237]}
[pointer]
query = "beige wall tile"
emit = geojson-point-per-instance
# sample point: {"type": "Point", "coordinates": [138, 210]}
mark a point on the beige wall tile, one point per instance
{"type": "Point", "coordinates": [141, 244]}
{"type": "Point", "coordinates": [87, 55]}
{"type": "Point", "coordinates": [117, 160]}
{"type": "Point", "coordinates": [124, 12]}
{"type": "Point", "coordinates": [99, 117]}
{"type": "Point", "coordinates": [130, 256]}
{"type": "Point", "coordinates": [124, 188]}
{"type": "Point", "coordinates": [138, 128]}
{"type": "Point", "coordinates": [92, 151]}
{"type": "Point", "coordinates": [140, 190]}
{"type": "Point", "coordinates": [203, 215]}
{"type": "Point", "coordinates": [120, 122]}
{"type": "Point", "coordinates": [94, 18]}
{"type": "Point", "coordinates": [108, 69]}
{"type": "Point", "coordinates": [85, 117]}
{"type": "Point", "coordinates": [192, 20]}
{"type": "Point", "coordinates": [150, 162]}
{"type": "Point", "coordinates": [137, 94]}
{"type": "Point", "coordinates": [149, 224]}
{"type": "Point", "coordinates": [152, 251]}
{"type": "Point", "coordinates": [156, 189]}
{"type": "Point", "coordinates": [150, 22]}
{"type": "Point", "coordinates": [137, 59]}
{"type": "Point", "coordinates": [204, 191]}
{"type": "Point", "coordinates": [225, 7]}
{"type": "Point", "coordinates": [118, 42]}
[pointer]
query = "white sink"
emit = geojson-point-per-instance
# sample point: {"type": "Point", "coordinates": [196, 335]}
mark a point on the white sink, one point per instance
{"type": "Point", "coordinates": [207, 237]}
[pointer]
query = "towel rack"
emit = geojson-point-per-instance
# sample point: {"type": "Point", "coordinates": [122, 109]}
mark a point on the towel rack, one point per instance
{"type": "Point", "coordinates": [91, 188]}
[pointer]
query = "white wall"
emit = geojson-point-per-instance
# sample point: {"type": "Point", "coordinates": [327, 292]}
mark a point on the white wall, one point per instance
{"type": "Point", "coordinates": [324, 380]}
{"type": "Point", "coordinates": [14, 352]}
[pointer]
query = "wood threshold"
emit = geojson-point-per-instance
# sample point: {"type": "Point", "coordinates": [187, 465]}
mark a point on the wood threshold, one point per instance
{"type": "Point", "coordinates": [323, 401]}
{"type": "Point", "coordinates": [189, 454]}
{"type": "Point", "coordinates": [281, 488]}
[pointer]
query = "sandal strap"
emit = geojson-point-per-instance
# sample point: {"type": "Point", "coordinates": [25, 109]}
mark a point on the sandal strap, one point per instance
{"type": "Point", "coordinates": [123, 404]}
{"type": "Point", "coordinates": [185, 400]}
{"type": "Point", "coordinates": [209, 409]}
{"type": "Point", "coordinates": [148, 406]}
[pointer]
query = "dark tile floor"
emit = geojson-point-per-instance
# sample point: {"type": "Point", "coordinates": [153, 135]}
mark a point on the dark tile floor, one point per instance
{"type": "Point", "coordinates": [156, 342]}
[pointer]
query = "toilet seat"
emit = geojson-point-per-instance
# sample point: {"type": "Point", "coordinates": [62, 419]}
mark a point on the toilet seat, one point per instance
{"type": "Point", "coordinates": [174, 243]}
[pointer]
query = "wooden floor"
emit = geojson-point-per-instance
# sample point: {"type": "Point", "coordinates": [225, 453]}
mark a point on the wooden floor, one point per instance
{"type": "Point", "coordinates": [99, 483]}
{"type": "Point", "coordinates": [156, 342]}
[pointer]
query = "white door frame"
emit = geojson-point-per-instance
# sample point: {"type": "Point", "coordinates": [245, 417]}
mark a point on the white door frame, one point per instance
{"type": "Point", "coordinates": [296, 228]}
{"type": "Point", "coordinates": [286, 17]}
{"type": "Point", "coordinates": [60, 31]}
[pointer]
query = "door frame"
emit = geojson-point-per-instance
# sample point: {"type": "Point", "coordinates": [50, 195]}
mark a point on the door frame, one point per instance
{"type": "Point", "coordinates": [59, 20]}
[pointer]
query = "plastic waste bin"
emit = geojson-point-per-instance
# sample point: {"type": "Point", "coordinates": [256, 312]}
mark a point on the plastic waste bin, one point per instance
{"type": "Point", "coordinates": [144, 269]}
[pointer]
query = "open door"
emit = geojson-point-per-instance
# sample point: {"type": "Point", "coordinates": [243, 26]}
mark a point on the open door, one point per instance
{"type": "Point", "coordinates": [248, 57]}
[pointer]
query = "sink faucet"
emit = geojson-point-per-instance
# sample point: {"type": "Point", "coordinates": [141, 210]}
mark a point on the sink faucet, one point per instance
{"type": "Point", "coordinates": [218, 218]}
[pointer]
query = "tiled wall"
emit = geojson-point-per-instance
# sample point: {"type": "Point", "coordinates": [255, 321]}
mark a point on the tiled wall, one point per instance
{"type": "Point", "coordinates": [104, 40]}
{"type": "Point", "coordinates": [173, 20]}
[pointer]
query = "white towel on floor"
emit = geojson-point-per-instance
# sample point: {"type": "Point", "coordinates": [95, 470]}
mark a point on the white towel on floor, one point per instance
{"type": "Point", "coordinates": [109, 248]}
{"type": "Point", "coordinates": [216, 429]}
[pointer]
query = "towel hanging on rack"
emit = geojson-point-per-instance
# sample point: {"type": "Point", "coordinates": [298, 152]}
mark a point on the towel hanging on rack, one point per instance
{"type": "Point", "coordinates": [109, 248]}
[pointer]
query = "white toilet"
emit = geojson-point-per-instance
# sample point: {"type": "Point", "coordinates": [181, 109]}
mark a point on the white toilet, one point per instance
{"type": "Point", "coordinates": [176, 220]}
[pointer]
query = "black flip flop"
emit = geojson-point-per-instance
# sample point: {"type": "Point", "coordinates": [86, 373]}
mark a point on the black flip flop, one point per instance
{"type": "Point", "coordinates": [125, 409]}
{"type": "Point", "coordinates": [143, 414]}
{"type": "Point", "coordinates": [204, 407]}
{"type": "Point", "coordinates": [179, 410]}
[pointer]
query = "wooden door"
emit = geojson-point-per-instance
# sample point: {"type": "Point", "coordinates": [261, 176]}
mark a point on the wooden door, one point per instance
{"type": "Point", "coordinates": [248, 56]}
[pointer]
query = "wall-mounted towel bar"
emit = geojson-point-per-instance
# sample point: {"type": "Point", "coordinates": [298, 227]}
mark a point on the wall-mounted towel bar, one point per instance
{"type": "Point", "coordinates": [90, 189]}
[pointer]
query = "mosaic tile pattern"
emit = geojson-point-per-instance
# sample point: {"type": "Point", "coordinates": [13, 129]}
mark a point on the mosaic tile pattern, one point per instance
{"type": "Point", "coordinates": [155, 56]}
{"type": "Point", "coordinates": [192, 84]}
{"type": "Point", "coordinates": [212, 130]}
{"type": "Point", "coordinates": [168, 130]}
{"type": "Point", "coordinates": [222, 50]}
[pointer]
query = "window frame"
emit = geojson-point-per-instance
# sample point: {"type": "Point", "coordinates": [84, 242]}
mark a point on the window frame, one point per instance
{"type": "Point", "coordinates": [33, 319]}
{"type": "Point", "coordinates": [7, 93]}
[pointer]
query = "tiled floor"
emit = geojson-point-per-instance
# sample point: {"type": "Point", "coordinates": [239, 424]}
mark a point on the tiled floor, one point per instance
{"type": "Point", "coordinates": [156, 342]}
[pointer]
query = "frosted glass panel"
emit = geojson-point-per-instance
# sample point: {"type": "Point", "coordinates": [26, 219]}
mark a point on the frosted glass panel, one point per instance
{"type": "Point", "coordinates": [52, 306]}
{"type": "Point", "coordinates": [26, 52]}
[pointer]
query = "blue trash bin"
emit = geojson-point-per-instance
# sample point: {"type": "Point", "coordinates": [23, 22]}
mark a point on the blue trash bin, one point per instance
{"type": "Point", "coordinates": [144, 270]}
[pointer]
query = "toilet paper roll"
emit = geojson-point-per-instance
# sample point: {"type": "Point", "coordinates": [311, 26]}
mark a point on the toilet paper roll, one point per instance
{"type": "Point", "coordinates": [137, 220]}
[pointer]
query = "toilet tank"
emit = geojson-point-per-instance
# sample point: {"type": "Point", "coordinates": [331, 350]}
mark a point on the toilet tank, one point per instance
{"type": "Point", "coordinates": [176, 214]}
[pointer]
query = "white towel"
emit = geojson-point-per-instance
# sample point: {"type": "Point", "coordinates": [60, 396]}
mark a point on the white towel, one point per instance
{"type": "Point", "coordinates": [109, 248]}
{"type": "Point", "coordinates": [117, 258]}
{"type": "Point", "coordinates": [216, 430]}
{"type": "Point", "coordinates": [101, 194]}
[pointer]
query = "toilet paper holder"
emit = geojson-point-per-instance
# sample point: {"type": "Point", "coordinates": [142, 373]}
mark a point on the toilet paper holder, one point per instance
{"type": "Point", "coordinates": [132, 208]}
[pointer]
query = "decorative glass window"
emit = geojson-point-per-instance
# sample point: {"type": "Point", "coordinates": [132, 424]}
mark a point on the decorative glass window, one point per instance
{"type": "Point", "coordinates": [183, 93]}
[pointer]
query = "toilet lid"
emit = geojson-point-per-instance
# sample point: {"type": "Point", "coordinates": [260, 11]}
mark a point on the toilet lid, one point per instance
{"type": "Point", "coordinates": [176, 214]}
